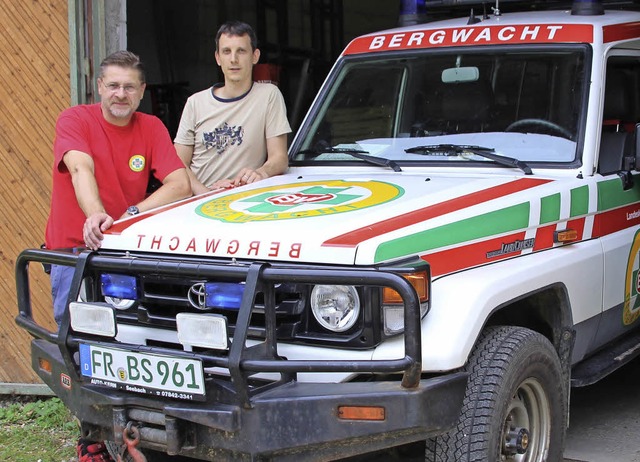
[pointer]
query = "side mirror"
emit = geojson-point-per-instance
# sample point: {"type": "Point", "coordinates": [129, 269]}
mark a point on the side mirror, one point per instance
{"type": "Point", "coordinates": [631, 160]}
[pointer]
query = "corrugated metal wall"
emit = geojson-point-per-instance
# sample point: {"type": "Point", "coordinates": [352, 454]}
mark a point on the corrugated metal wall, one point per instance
{"type": "Point", "coordinates": [34, 88]}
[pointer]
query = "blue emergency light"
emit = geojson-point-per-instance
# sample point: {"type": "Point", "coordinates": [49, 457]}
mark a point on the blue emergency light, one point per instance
{"type": "Point", "coordinates": [226, 295]}
{"type": "Point", "coordinates": [119, 286]}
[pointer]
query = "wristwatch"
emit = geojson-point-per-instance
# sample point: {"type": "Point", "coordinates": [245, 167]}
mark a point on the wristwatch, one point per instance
{"type": "Point", "coordinates": [133, 210]}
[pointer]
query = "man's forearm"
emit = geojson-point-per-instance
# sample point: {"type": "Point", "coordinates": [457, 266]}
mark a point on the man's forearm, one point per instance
{"type": "Point", "coordinates": [86, 190]}
{"type": "Point", "coordinates": [277, 159]}
{"type": "Point", "coordinates": [175, 187]}
{"type": "Point", "coordinates": [197, 187]}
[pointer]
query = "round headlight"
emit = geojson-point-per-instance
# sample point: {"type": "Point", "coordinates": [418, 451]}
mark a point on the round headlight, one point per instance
{"type": "Point", "coordinates": [336, 308]}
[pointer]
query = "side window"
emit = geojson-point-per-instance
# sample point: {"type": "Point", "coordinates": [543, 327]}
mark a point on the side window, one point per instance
{"type": "Point", "coordinates": [620, 114]}
{"type": "Point", "coordinates": [621, 94]}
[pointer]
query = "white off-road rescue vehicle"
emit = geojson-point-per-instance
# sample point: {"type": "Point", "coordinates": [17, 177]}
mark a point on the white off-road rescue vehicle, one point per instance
{"type": "Point", "coordinates": [455, 245]}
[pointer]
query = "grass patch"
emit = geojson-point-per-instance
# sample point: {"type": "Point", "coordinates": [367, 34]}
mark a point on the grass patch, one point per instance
{"type": "Point", "coordinates": [37, 430]}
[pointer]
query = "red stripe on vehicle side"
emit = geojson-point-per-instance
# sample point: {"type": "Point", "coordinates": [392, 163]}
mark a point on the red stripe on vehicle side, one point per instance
{"type": "Point", "coordinates": [467, 256]}
{"type": "Point", "coordinates": [617, 32]}
{"type": "Point", "coordinates": [615, 220]}
{"type": "Point", "coordinates": [353, 238]}
{"type": "Point", "coordinates": [544, 237]}
{"type": "Point", "coordinates": [578, 225]}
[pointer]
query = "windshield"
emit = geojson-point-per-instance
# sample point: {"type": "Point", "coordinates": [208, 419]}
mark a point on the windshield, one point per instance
{"type": "Point", "coordinates": [523, 104]}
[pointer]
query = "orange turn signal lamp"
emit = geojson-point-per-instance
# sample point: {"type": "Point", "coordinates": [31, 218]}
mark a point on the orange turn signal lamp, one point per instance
{"type": "Point", "coordinates": [376, 413]}
{"type": "Point", "coordinates": [419, 281]}
{"type": "Point", "coordinates": [44, 365]}
{"type": "Point", "coordinates": [565, 236]}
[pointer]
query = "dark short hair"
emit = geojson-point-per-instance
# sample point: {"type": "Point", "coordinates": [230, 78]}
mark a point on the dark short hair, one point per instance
{"type": "Point", "coordinates": [237, 28]}
{"type": "Point", "coordinates": [125, 59]}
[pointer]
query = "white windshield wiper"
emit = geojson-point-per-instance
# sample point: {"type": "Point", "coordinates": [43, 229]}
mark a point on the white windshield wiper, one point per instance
{"type": "Point", "coordinates": [457, 149]}
{"type": "Point", "coordinates": [357, 153]}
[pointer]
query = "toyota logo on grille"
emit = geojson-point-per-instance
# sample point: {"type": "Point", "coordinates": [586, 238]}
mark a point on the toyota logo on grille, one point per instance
{"type": "Point", "coordinates": [198, 296]}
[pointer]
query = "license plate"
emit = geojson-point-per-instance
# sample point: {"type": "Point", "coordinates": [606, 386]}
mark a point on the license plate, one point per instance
{"type": "Point", "coordinates": [147, 373]}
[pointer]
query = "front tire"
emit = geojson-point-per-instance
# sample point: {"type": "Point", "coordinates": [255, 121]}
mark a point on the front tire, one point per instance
{"type": "Point", "coordinates": [516, 400]}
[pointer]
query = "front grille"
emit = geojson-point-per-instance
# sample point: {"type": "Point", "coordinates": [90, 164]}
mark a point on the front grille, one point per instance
{"type": "Point", "coordinates": [161, 299]}
{"type": "Point", "coordinates": [163, 295]}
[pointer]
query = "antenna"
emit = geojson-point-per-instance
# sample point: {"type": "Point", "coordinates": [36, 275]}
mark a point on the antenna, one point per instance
{"type": "Point", "coordinates": [472, 19]}
{"type": "Point", "coordinates": [496, 9]}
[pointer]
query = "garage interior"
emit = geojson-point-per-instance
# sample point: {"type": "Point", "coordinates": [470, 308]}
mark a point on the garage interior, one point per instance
{"type": "Point", "coordinates": [299, 41]}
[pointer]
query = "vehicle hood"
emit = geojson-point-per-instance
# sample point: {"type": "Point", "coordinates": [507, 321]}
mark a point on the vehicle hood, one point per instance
{"type": "Point", "coordinates": [331, 219]}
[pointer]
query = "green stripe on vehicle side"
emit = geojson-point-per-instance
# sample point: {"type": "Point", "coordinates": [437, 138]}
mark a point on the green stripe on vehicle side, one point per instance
{"type": "Point", "coordinates": [550, 209]}
{"type": "Point", "coordinates": [579, 201]}
{"type": "Point", "coordinates": [611, 195]}
{"type": "Point", "coordinates": [489, 224]}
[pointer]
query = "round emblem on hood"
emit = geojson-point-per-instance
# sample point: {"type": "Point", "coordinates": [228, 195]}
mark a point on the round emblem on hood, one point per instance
{"type": "Point", "coordinates": [299, 200]}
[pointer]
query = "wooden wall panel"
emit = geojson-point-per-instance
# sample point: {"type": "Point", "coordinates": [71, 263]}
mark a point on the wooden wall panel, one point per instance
{"type": "Point", "coordinates": [34, 88]}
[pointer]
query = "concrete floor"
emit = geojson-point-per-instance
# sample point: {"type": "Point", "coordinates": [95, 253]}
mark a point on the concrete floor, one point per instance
{"type": "Point", "coordinates": [604, 423]}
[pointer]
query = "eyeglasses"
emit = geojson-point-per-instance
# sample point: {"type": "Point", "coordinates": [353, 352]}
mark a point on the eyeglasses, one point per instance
{"type": "Point", "coordinates": [114, 87]}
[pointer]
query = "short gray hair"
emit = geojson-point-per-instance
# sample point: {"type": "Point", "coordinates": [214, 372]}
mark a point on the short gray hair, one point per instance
{"type": "Point", "coordinates": [124, 59]}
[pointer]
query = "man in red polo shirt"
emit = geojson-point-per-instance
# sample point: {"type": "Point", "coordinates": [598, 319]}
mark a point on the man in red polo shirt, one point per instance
{"type": "Point", "coordinates": [104, 154]}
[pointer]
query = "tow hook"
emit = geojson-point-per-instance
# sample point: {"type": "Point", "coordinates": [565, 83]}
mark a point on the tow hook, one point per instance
{"type": "Point", "coordinates": [516, 441]}
{"type": "Point", "coordinates": [131, 437]}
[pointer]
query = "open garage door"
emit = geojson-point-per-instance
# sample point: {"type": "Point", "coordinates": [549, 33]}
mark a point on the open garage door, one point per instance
{"type": "Point", "coordinates": [299, 41]}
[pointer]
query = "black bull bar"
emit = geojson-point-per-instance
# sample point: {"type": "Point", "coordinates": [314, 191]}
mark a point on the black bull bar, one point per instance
{"type": "Point", "coordinates": [443, 395]}
{"type": "Point", "coordinates": [258, 277]}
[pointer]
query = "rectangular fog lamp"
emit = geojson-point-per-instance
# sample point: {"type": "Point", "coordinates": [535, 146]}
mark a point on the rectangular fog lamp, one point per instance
{"type": "Point", "coordinates": [93, 319]}
{"type": "Point", "coordinates": [202, 330]}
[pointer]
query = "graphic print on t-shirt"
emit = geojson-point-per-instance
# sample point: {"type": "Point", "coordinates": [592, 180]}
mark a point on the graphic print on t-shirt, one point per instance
{"type": "Point", "coordinates": [222, 137]}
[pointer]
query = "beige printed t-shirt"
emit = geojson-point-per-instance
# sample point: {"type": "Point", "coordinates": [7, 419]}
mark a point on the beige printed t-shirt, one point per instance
{"type": "Point", "coordinates": [229, 134]}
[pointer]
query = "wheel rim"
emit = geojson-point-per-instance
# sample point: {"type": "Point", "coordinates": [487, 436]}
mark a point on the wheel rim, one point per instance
{"type": "Point", "coordinates": [528, 413]}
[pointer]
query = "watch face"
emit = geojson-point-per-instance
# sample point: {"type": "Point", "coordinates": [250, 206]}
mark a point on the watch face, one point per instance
{"type": "Point", "coordinates": [133, 210]}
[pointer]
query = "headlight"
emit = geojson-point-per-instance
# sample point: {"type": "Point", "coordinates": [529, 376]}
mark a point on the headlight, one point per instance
{"type": "Point", "coordinates": [119, 291]}
{"type": "Point", "coordinates": [336, 308]}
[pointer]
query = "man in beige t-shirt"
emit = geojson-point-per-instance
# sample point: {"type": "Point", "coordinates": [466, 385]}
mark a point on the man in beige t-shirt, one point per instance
{"type": "Point", "coordinates": [234, 133]}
